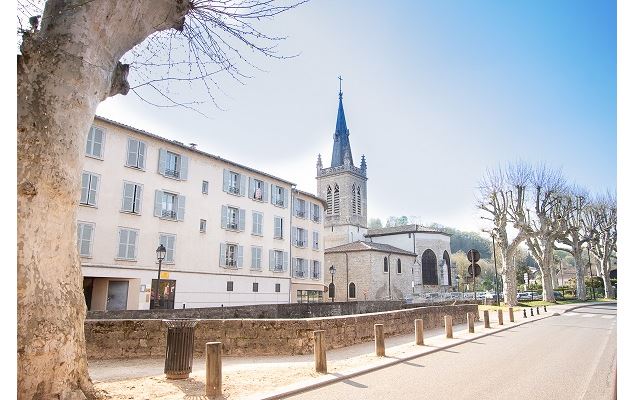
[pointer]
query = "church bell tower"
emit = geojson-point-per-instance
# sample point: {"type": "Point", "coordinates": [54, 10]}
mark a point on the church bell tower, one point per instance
{"type": "Point", "coordinates": [343, 186]}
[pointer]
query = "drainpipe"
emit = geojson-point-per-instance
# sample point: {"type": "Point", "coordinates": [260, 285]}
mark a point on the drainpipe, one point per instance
{"type": "Point", "coordinates": [291, 205]}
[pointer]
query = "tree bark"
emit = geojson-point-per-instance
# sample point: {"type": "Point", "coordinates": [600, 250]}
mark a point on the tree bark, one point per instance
{"type": "Point", "coordinates": [579, 272]}
{"type": "Point", "coordinates": [508, 273]}
{"type": "Point", "coordinates": [65, 70]}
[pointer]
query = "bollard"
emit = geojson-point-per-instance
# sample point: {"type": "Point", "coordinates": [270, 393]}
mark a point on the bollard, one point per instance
{"type": "Point", "coordinates": [532, 311]}
{"type": "Point", "coordinates": [380, 349]}
{"type": "Point", "coordinates": [524, 313]}
{"type": "Point", "coordinates": [511, 314]}
{"type": "Point", "coordinates": [538, 310]}
{"type": "Point", "coordinates": [448, 326]}
{"type": "Point", "coordinates": [486, 318]}
{"type": "Point", "coordinates": [319, 351]}
{"type": "Point", "coordinates": [213, 369]}
{"type": "Point", "coordinates": [470, 322]}
{"type": "Point", "coordinates": [500, 317]}
{"type": "Point", "coordinates": [545, 308]}
{"type": "Point", "coordinates": [419, 332]}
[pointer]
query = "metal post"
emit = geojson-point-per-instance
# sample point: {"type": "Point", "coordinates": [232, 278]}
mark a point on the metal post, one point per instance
{"type": "Point", "coordinates": [498, 303]}
{"type": "Point", "coordinates": [213, 369]}
{"type": "Point", "coordinates": [157, 296]}
{"type": "Point", "coordinates": [524, 313]}
{"type": "Point", "coordinates": [531, 310]}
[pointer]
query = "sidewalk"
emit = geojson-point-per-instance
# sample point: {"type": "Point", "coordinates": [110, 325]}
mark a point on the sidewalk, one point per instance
{"type": "Point", "coordinates": [271, 376]}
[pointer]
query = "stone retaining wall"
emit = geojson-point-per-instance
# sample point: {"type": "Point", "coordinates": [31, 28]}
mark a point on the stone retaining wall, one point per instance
{"type": "Point", "coordinates": [113, 339]}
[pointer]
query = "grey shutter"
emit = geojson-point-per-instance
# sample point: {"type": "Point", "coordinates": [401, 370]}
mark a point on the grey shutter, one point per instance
{"type": "Point", "coordinates": [89, 141]}
{"type": "Point", "coordinates": [184, 167]}
{"type": "Point", "coordinates": [241, 220]}
{"type": "Point", "coordinates": [243, 182]}
{"type": "Point", "coordinates": [285, 200]}
{"type": "Point", "coordinates": [221, 257]}
{"type": "Point", "coordinates": [285, 262]}
{"type": "Point", "coordinates": [139, 198]}
{"type": "Point", "coordinates": [223, 217]}
{"type": "Point", "coordinates": [123, 243]}
{"type": "Point", "coordinates": [305, 237]}
{"type": "Point", "coordinates": [254, 220]}
{"type": "Point", "coordinates": [158, 203]}
{"type": "Point", "coordinates": [180, 214]}
{"type": "Point", "coordinates": [311, 211]}
{"type": "Point", "coordinates": [132, 241]}
{"type": "Point", "coordinates": [85, 183]}
{"type": "Point", "coordinates": [98, 142]}
{"type": "Point", "coordinates": [273, 191]}
{"type": "Point", "coordinates": [94, 184]}
{"type": "Point", "coordinates": [265, 192]}
{"type": "Point", "coordinates": [141, 160]}
{"type": "Point", "coordinates": [294, 235]}
{"type": "Point", "coordinates": [127, 199]}
{"type": "Point", "coordinates": [271, 260]}
{"type": "Point", "coordinates": [240, 257]}
{"type": "Point", "coordinates": [133, 151]}
{"type": "Point", "coordinates": [253, 257]}
{"type": "Point", "coordinates": [163, 159]}
{"type": "Point", "coordinates": [225, 180]}
{"type": "Point", "coordinates": [252, 188]}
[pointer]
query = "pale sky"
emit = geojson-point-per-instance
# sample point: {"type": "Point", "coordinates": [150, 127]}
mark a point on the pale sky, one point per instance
{"type": "Point", "coordinates": [434, 93]}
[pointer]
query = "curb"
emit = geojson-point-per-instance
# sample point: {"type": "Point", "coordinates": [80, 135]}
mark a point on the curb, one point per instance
{"type": "Point", "coordinates": [328, 380]}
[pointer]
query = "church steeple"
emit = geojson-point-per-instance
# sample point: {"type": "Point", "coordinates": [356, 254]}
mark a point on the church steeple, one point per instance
{"type": "Point", "coordinates": [341, 146]}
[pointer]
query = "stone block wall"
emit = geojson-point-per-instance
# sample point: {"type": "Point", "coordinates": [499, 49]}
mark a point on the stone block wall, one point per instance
{"type": "Point", "coordinates": [121, 339]}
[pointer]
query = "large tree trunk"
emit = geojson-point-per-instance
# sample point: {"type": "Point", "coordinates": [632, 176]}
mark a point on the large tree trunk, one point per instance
{"type": "Point", "coordinates": [64, 71]}
{"type": "Point", "coordinates": [508, 273]}
{"type": "Point", "coordinates": [547, 271]}
{"type": "Point", "coordinates": [579, 272]}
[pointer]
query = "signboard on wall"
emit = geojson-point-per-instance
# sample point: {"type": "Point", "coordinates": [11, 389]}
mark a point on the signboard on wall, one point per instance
{"type": "Point", "coordinates": [165, 275]}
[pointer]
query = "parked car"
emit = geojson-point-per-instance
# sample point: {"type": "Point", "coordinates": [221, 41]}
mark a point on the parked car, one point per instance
{"type": "Point", "coordinates": [558, 296]}
{"type": "Point", "coordinates": [523, 296]}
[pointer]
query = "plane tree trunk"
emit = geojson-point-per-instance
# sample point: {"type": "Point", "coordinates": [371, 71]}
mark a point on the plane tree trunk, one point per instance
{"type": "Point", "coordinates": [65, 70]}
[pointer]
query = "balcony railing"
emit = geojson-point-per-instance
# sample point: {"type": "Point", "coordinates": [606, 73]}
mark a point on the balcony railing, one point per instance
{"type": "Point", "coordinates": [300, 214]}
{"type": "Point", "coordinates": [233, 189]}
{"type": "Point", "coordinates": [231, 264]}
{"type": "Point", "coordinates": [232, 225]}
{"type": "Point", "coordinates": [168, 214]}
{"type": "Point", "coordinates": [175, 173]}
{"type": "Point", "coordinates": [316, 218]}
{"type": "Point", "coordinates": [279, 202]}
{"type": "Point", "coordinates": [299, 274]}
{"type": "Point", "coordinates": [278, 268]}
{"type": "Point", "coordinates": [315, 275]}
{"type": "Point", "coordinates": [300, 243]}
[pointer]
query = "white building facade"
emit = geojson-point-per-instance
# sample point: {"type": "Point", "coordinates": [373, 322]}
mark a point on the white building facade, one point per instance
{"type": "Point", "coordinates": [233, 235]}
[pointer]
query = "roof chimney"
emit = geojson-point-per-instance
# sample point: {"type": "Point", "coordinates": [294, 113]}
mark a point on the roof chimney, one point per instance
{"type": "Point", "coordinates": [193, 145]}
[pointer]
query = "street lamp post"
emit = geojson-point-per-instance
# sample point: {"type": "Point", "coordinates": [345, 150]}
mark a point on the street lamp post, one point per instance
{"type": "Point", "coordinates": [332, 287]}
{"type": "Point", "coordinates": [160, 257]}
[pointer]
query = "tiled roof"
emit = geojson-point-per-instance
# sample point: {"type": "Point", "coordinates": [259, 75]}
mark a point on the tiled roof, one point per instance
{"type": "Point", "coordinates": [393, 230]}
{"type": "Point", "coordinates": [368, 246]}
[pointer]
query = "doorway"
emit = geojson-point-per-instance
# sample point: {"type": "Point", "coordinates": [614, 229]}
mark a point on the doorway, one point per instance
{"type": "Point", "coordinates": [117, 295]}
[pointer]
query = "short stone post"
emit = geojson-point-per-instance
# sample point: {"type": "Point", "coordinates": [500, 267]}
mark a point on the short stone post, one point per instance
{"type": "Point", "coordinates": [532, 311]}
{"type": "Point", "coordinates": [486, 318]}
{"type": "Point", "coordinates": [448, 326]}
{"type": "Point", "coordinates": [511, 314]}
{"type": "Point", "coordinates": [419, 332]}
{"type": "Point", "coordinates": [545, 308]}
{"type": "Point", "coordinates": [470, 322]}
{"type": "Point", "coordinates": [380, 348]}
{"type": "Point", "coordinates": [213, 369]}
{"type": "Point", "coordinates": [524, 313]}
{"type": "Point", "coordinates": [500, 317]}
{"type": "Point", "coordinates": [538, 310]}
{"type": "Point", "coordinates": [319, 351]}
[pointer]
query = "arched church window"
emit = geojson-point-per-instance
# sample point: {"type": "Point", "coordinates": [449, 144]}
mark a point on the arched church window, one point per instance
{"type": "Point", "coordinates": [329, 200]}
{"type": "Point", "coordinates": [351, 290]}
{"type": "Point", "coordinates": [359, 202]}
{"type": "Point", "coordinates": [446, 262]}
{"type": "Point", "coordinates": [385, 264]}
{"type": "Point", "coordinates": [429, 268]}
{"type": "Point", "coordinates": [399, 265]}
{"type": "Point", "coordinates": [336, 199]}
{"type": "Point", "coordinates": [354, 201]}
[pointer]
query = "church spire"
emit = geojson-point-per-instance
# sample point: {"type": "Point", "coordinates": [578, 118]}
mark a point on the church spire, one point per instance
{"type": "Point", "coordinates": [341, 145]}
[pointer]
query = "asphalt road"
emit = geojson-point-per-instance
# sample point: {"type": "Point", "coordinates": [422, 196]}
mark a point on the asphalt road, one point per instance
{"type": "Point", "coordinates": [571, 356]}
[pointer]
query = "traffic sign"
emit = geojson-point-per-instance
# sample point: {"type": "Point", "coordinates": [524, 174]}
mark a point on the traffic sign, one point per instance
{"type": "Point", "coordinates": [473, 255]}
{"type": "Point", "coordinates": [476, 268]}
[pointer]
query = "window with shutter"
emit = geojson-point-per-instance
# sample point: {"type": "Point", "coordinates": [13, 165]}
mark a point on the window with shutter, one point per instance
{"type": "Point", "coordinates": [257, 223]}
{"type": "Point", "coordinates": [316, 242]}
{"type": "Point", "coordinates": [95, 142]}
{"type": "Point", "coordinates": [90, 188]}
{"type": "Point", "coordinates": [169, 241]}
{"type": "Point", "coordinates": [231, 256]}
{"type": "Point", "coordinates": [329, 200]}
{"type": "Point", "coordinates": [354, 201]}
{"type": "Point", "coordinates": [277, 195]}
{"type": "Point", "coordinates": [277, 264]}
{"type": "Point", "coordinates": [336, 199]}
{"type": "Point", "coordinates": [131, 199]}
{"type": "Point", "coordinates": [233, 183]}
{"type": "Point", "coordinates": [359, 201]}
{"type": "Point", "coordinates": [205, 187]}
{"type": "Point", "coordinates": [316, 271]}
{"type": "Point", "coordinates": [172, 165]}
{"type": "Point", "coordinates": [256, 258]}
{"type": "Point", "coordinates": [233, 216]}
{"type": "Point", "coordinates": [256, 189]}
{"type": "Point", "coordinates": [136, 154]}
{"type": "Point", "coordinates": [203, 225]}
{"type": "Point", "coordinates": [127, 249]}
{"type": "Point", "coordinates": [169, 205]}
{"type": "Point", "coordinates": [278, 223]}
{"type": "Point", "coordinates": [85, 231]}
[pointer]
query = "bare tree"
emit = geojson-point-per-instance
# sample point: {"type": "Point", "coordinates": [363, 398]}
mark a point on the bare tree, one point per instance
{"type": "Point", "coordinates": [545, 222]}
{"type": "Point", "coordinates": [502, 196]}
{"type": "Point", "coordinates": [69, 61]}
{"type": "Point", "coordinates": [573, 205]}
{"type": "Point", "coordinates": [600, 221]}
